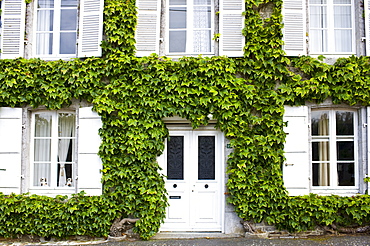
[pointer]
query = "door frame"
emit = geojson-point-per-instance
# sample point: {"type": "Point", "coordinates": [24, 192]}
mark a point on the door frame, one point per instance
{"type": "Point", "coordinates": [221, 169]}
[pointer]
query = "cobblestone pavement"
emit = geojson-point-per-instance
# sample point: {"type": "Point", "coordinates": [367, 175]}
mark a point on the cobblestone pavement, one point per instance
{"type": "Point", "coordinates": [343, 240]}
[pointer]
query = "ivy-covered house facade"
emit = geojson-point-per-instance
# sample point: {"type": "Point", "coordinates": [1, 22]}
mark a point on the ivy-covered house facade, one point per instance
{"type": "Point", "coordinates": [188, 115]}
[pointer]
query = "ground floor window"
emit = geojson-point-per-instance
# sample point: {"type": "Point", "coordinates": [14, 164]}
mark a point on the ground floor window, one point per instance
{"type": "Point", "coordinates": [334, 148]}
{"type": "Point", "coordinates": [53, 149]}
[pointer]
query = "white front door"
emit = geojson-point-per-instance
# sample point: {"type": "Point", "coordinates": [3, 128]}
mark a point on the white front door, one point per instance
{"type": "Point", "coordinates": [192, 163]}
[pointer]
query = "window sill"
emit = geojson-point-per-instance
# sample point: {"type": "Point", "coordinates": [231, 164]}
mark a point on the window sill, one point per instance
{"type": "Point", "coordinates": [340, 191]}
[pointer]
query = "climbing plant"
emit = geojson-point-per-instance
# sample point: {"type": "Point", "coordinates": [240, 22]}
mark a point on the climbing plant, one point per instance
{"type": "Point", "coordinates": [132, 95]}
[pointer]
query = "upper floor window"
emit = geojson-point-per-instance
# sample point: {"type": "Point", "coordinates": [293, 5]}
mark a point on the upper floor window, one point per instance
{"type": "Point", "coordinates": [331, 26]}
{"type": "Point", "coordinates": [327, 27]}
{"type": "Point", "coordinates": [56, 28]}
{"type": "Point", "coordinates": [334, 148]}
{"type": "Point", "coordinates": [190, 27]}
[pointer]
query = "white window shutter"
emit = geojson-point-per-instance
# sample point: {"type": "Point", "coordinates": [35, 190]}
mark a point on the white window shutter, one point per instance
{"type": "Point", "coordinates": [367, 25]}
{"type": "Point", "coordinates": [294, 31]}
{"type": "Point", "coordinates": [232, 41]}
{"type": "Point", "coordinates": [89, 163]}
{"type": "Point", "coordinates": [10, 149]}
{"type": "Point", "coordinates": [13, 26]}
{"type": "Point", "coordinates": [90, 28]}
{"type": "Point", "coordinates": [296, 168]}
{"type": "Point", "coordinates": [148, 28]}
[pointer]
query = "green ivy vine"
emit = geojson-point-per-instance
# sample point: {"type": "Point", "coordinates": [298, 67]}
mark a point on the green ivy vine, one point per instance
{"type": "Point", "coordinates": [132, 95]}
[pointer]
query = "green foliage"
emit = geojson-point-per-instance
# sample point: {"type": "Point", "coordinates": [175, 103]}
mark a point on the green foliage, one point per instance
{"type": "Point", "coordinates": [132, 95]}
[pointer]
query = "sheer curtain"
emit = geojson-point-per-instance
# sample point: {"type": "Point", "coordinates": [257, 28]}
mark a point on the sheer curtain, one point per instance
{"type": "Point", "coordinates": [202, 26]}
{"type": "Point", "coordinates": [42, 149]}
{"type": "Point", "coordinates": [66, 130]}
{"type": "Point", "coordinates": [343, 27]}
{"type": "Point", "coordinates": [324, 170]}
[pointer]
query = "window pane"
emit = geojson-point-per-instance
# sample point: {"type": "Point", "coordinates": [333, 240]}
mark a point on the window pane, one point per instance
{"type": "Point", "coordinates": [346, 174]}
{"type": "Point", "coordinates": [320, 123]}
{"type": "Point", "coordinates": [202, 17]}
{"type": "Point", "coordinates": [69, 3]}
{"type": "Point", "coordinates": [345, 151]}
{"type": "Point", "coordinates": [342, 1]}
{"type": "Point", "coordinates": [343, 40]}
{"type": "Point", "coordinates": [66, 125]}
{"type": "Point", "coordinates": [177, 2]}
{"type": "Point", "coordinates": [177, 17]}
{"type": "Point", "coordinates": [175, 157]}
{"type": "Point", "coordinates": [45, 4]}
{"type": "Point", "coordinates": [320, 174]}
{"type": "Point", "coordinates": [41, 175]}
{"type": "Point", "coordinates": [202, 2]}
{"type": "Point", "coordinates": [43, 125]}
{"type": "Point", "coordinates": [177, 41]}
{"type": "Point", "coordinates": [44, 43]}
{"type": "Point", "coordinates": [320, 151]}
{"type": "Point", "coordinates": [202, 41]}
{"type": "Point", "coordinates": [342, 17]}
{"type": "Point", "coordinates": [64, 175]}
{"type": "Point", "coordinates": [68, 19]}
{"type": "Point", "coordinates": [206, 157]}
{"type": "Point", "coordinates": [68, 43]}
{"type": "Point", "coordinates": [45, 20]}
{"type": "Point", "coordinates": [344, 123]}
{"type": "Point", "coordinates": [317, 1]}
{"type": "Point", "coordinates": [318, 17]}
{"type": "Point", "coordinates": [66, 150]}
{"type": "Point", "coordinates": [42, 149]}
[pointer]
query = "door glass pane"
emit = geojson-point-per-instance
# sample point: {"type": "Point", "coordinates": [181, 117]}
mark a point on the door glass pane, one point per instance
{"type": "Point", "coordinates": [346, 174]}
{"type": "Point", "coordinates": [206, 157]}
{"type": "Point", "coordinates": [320, 123]}
{"type": "Point", "coordinates": [175, 157]}
{"type": "Point", "coordinates": [320, 174]}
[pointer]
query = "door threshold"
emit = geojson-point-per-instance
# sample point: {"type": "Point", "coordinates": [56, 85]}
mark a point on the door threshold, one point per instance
{"type": "Point", "coordinates": [192, 235]}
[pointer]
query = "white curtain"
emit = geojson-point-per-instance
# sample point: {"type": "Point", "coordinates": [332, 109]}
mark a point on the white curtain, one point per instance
{"type": "Point", "coordinates": [324, 170]}
{"type": "Point", "coordinates": [202, 25]}
{"type": "Point", "coordinates": [42, 150]}
{"type": "Point", "coordinates": [66, 129]}
{"type": "Point", "coordinates": [343, 28]}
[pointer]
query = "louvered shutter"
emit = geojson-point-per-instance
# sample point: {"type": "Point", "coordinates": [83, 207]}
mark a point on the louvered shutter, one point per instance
{"type": "Point", "coordinates": [148, 28]}
{"type": "Point", "coordinates": [89, 163]}
{"type": "Point", "coordinates": [367, 25]}
{"type": "Point", "coordinates": [90, 28]}
{"type": "Point", "coordinates": [296, 168]}
{"type": "Point", "coordinates": [13, 26]}
{"type": "Point", "coordinates": [10, 149]}
{"type": "Point", "coordinates": [232, 41]}
{"type": "Point", "coordinates": [294, 31]}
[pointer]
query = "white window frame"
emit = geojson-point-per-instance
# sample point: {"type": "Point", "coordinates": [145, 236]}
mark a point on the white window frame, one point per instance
{"type": "Point", "coordinates": [56, 32]}
{"type": "Point", "coordinates": [334, 188]}
{"type": "Point", "coordinates": [189, 30]}
{"type": "Point", "coordinates": [52, 183]}
{"type": "Point", "coordinates": [330, 28]}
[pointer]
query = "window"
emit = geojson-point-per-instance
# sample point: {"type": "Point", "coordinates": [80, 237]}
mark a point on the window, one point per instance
{"type": "Point", "coordinates": [190, 26]}
{"type": "Point", "coordinates": [331, 26]}
{"type": "Point", "coordinates": [334, 27]}
{"type": "Point", "coordinates": [56, 28]}
{"type": "Point", "coordinates": [67, 28]}
{"type": "Point", "coordinates": [53, 149]}
{"type": "Point", "coordinates": [334, 148]}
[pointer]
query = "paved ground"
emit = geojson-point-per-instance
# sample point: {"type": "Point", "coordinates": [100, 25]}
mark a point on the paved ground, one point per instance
{"type": "Point", "coordinates": [344, 240]}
